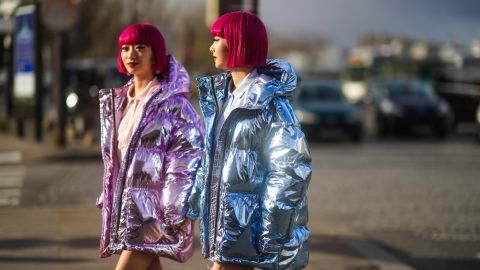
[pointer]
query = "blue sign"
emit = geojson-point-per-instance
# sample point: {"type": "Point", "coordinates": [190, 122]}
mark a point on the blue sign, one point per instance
{"type": "Point", "coordinates": [24, 58]}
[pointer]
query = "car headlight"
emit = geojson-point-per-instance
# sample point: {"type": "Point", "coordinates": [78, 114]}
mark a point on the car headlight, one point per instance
{"type": "Point", "coordinates": [305, 117]}
{"type": "Point", "coordinates": [388, 107]}
{"type": "Point", "coordinates": [354, 91]}
{"type": "Point", "coordinates": [443, 108]}
{"type": "Point", "coordinates": [478, 114]}
{"type": "Point", "coordinates": [72, 100]}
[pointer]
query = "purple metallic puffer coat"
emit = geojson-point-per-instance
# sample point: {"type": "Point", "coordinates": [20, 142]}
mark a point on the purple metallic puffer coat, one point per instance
{"type": "Point", "coordinates": [144, 199]}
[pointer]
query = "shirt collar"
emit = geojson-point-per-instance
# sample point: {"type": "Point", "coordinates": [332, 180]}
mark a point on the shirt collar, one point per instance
{"type": "Point", "coordinates": [242, 88]}
{"type": "Point", "coordinates": [150, 88]}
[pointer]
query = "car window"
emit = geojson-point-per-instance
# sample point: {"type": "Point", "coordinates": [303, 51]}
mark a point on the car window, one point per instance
{"type": "Point", "coordinates": [408, 89]}
{"type": "Point", "coordinates": [321, 92]}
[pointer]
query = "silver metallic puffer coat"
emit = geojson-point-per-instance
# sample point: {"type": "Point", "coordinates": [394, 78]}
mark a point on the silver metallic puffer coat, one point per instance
{"type": "Point", "coordinates": [145, 198]}
{"type": "Point", "coordinates": [250, 194]}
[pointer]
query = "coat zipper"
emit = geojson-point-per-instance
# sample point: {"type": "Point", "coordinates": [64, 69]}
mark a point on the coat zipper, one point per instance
{"type": "Point", "coordinates": [213, 207]}
{"type": "Point", "coordinates": [215, 194]}
{"type": "Point", "coordinates": [122, 171]}
{"type": "Point", "coordinates": [215, 101]}
{"type": "Point", "coordinates": [114, 145]}
{"type": "Point", "coordinates": [214, 203]}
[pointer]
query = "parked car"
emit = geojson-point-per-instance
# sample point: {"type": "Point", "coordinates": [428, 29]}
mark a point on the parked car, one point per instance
{"type": "Point", "coordinates": [460, 87]}
{"type": "Point", "coordinates": [323, 111]}
{"type": "Point", "coordinates": [401, 105]}
{"type": "Point", "coordinates": [478, 123]}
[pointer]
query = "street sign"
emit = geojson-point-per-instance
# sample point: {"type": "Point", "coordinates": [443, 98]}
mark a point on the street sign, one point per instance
{"type": "Point", "coordinates": [59, 15]}
{"type": "Point", "coordinates": [24, 57]}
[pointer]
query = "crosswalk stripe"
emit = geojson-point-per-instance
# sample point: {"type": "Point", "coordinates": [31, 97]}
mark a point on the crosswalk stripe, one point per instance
{"type": "Point", "coordinates": [10, 157]}
{"type": "Point", "coordinates": [9, 192]}
{"type": "Point", "coordinates": [12, 171]}
{"type": "Point", "coordinates": [9, 196]}
{"type": "Point", "coordinates": [11, 182]}
{"type": "Point", "coordinates": [9, 201]}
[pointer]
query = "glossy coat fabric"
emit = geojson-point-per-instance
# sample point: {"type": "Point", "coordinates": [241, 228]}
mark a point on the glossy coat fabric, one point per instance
{"type": "Point", "coordinates": [145, 198]}
{"type": "Point", "coordinates": [250, 193]}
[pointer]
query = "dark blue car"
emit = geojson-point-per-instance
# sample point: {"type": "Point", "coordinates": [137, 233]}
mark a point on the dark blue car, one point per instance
{"type": "Point", "coordinates": [402, 105]}
{"type": "Point", "coordinates": [323, 111]}
{"type": "Point", "coordinates": [477, 118]}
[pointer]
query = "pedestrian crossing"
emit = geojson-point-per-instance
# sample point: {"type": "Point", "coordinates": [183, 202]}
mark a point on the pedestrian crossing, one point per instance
{"type": "Point", "coordinates": [10, 157]}
{"type": "Point", "coordinates": [12, 175]}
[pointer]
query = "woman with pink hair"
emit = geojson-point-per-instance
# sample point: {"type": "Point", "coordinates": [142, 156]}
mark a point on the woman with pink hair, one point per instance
{"type": "Point", "coordinates": [152, 141]}
{"type": "Point", "coordinates": [250, 193]}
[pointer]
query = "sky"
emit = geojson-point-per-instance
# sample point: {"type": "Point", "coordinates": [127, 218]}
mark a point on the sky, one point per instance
{"type": "Point", "coordinates": [343, 21]}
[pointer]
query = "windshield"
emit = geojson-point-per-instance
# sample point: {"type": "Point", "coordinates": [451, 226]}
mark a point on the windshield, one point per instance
{"type": "Point", "coordinates": [355, 74]}
{"type": "Point", "coordinates": [321, 92]}
{"type": "Point", "coordinates": [409, 89]}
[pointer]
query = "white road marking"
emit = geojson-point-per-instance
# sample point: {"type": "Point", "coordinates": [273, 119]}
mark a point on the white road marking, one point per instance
{"type": "Point", "coordinates": [11, 157]}
{"type": "Point", "coordinates": [11, 182]}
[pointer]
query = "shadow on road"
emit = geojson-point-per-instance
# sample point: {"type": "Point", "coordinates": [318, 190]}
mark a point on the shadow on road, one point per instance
{"type": "Point", "coordinates": [22, 243]}
{"type": "Point", "coordinates": [431, 263]}
{"type": "Point", "coordinates": [55, 260]}
{"type": "Point", "coordinates": [331, 244]}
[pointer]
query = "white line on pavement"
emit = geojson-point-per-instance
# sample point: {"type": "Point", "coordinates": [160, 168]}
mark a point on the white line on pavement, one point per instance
{"type": "Point", "coordinates": [10, 157]}
{"type": "Point", "coordinates": [12, 171]}
{"type": "Point", "coordinates": [9, 196]}
{"type": "Point", "coordinates": [11, 182]}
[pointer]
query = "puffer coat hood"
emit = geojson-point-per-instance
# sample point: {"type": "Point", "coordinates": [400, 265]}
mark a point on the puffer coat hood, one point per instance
{"type": "Point", "coordinates": [250, 193]}
{"type": "Point", "coordinates": [145, 198]}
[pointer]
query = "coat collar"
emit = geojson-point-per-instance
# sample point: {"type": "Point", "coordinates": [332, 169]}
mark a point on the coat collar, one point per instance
{"type": "Point", "coordinates": [277, 79]}
{"type": "Point", "coordinates": [176, 81]}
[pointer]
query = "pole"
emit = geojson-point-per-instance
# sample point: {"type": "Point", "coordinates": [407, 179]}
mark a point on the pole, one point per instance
{"type": "Point", "coordinates": [9, 85]}
{"type": "Point", "coordinates": [38, 112]}
{"type": "Point", "coordinates": [251, 6]}
{"type": "Point", "coordinates": [57, 54]}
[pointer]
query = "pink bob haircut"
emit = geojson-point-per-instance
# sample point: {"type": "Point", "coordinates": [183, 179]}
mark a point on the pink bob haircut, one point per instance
{"type": "Point", "coordinates": [145, 34]}
{"type": "Point", "coordinates": [246, 37]}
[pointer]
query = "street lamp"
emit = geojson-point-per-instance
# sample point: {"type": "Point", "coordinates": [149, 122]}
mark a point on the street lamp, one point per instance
{"type": "Point", "coordinates": [58, 16]}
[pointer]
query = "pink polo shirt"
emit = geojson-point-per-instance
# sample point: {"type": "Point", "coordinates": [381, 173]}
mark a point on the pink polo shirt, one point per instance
{"type": "Point", "coordinates": [133, 112]}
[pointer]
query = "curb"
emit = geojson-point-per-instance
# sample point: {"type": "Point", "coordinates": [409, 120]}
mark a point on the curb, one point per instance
{"type": "Point", "coordinates": [377, 255]}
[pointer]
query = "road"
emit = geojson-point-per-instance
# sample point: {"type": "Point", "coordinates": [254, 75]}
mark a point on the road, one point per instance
{"type": "Point", "coordinates": [419, 199]}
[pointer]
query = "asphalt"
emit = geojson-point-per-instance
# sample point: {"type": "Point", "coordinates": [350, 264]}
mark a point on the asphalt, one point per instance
{"type": "Point", "coordinates": [66, 236]}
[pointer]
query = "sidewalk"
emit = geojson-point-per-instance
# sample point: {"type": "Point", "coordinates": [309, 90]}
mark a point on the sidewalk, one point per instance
{"type": "Point", "coordinates": [66, 237]}
{"type": "Point", "coordinates": [31, 151]}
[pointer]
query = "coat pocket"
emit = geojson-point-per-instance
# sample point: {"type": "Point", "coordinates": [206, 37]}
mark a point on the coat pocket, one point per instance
{"type": "Point", "coordinates": [144, 217]}
{"type": "Point", "coordinates": [240, 225]}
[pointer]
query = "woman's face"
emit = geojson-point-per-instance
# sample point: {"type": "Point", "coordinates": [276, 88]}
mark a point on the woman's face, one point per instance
{"type": "Point", "coordinates": [219, 52]}
{"type": "Point", "coordinates": [138, 59]}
